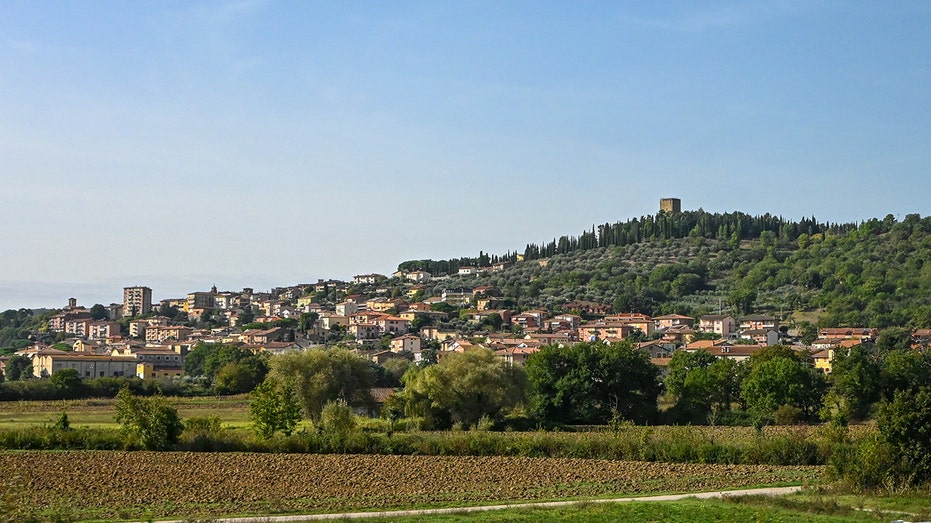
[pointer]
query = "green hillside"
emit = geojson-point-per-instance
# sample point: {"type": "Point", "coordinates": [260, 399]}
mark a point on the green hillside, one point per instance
{"type": "Point", "coordinates": [875, 273]}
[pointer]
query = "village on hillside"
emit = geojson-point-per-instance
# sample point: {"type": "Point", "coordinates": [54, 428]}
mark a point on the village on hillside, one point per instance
{"type": "Point", "coordinates": [383, 318]}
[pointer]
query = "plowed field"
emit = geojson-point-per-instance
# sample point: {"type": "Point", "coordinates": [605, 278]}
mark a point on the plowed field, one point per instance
{"type": "Point", "coordinates": [112, 485]}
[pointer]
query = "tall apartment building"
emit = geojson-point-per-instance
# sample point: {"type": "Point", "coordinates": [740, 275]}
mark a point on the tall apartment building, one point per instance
{"type": "Point", "coordinates": [136, 301]}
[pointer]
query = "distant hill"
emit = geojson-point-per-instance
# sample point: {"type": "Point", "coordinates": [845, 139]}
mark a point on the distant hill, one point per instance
{"type": "Point", "coordinates": [661, 226]}
{"type": "Point", "coordinates": [876, 273]}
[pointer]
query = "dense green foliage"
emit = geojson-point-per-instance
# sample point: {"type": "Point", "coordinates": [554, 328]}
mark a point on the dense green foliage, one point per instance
{"type": "Point", "coordinates": [873, 274]}
{"type": "Point", "coordinates": [149, 422]}
{"type": "Point", "coordinates": [106, 387]}
{"type": "Point", "coordinates": [18, 368]}
{"type": "Point", "coordinates": [687, 444]}
{"type": "Point", "coordinates": [231, 368]}
{"type": "Point", "coordinates": [274, 408]}
{"type": "Point", "coordinates": [702, 384]}
{"type": "Point", "coordinates": [662, 226]}
{"type": "Point", "coordinates": [20, 328]}
{"type": "Point", "coordinates": [463, 388]}
{"type": "Point", "coordinates": [783, 381]}
{"type": "Point", "coordinates": [319, 376]}
{"type": "Point", "coordinates": [590, 383]}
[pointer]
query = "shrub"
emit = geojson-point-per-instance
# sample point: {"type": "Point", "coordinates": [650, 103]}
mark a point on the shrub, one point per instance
{"type": "Point", "coordinates": [787, 415]}
{"type": "Point", "coordinates": [865, 465]}
{"type": "Point", "coordinates": [62, 423]}
{"type": "Point", "coordinates": [151, 423]}
{"type": "Point", "coordinates": [337, 419]}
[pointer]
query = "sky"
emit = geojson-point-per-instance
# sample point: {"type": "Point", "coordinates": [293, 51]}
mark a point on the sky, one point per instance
{"type": "Point", "coordinates": [261, 143]}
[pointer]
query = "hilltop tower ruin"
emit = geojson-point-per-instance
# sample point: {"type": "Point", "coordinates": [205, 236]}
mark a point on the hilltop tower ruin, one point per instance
{"type": "Point", "coordinates": [670, 205]}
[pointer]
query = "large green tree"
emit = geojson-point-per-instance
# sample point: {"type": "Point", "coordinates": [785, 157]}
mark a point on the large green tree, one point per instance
{"type": "Point", "coordinates": [18, 368]}
{"type": "Point", "coordinates": [702, 383]}
{"type": "Point", "coordinates": [780, 376]}
{"type": "Point", "coordinates": [905, 424]}
{"type": "Point", "coordinates": [905, 370]}
{"type": "Point", "coordinates": [465, 387]}
{"type": "Point", "coordinates": [856, 381]}
{"type": "Point", "coordinates": [322, 375]}
{"type": "Point", "coordinates": [67, 383]}
{"type": "Point", "coordinates": [99, 312]}
{"type": "Point", "coordinates": [592, 383]}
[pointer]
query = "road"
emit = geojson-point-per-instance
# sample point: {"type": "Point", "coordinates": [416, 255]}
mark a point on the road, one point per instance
{"type": "Point", "coordinates": [769, 491]}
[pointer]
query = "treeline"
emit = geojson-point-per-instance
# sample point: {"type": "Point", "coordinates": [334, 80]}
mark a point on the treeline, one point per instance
{"type": "Point", "coordinates": [669, 226]}
{"type": "Point", "coordinates": [66, 385]}
{"type": "Point", "coordinates": [734, 226]}
{"type": "Point", "coordinates": [452, 265]}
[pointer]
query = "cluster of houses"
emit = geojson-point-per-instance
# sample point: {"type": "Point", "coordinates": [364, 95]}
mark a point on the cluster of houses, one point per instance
{"type": "Point", "coordinates": [381, 327]}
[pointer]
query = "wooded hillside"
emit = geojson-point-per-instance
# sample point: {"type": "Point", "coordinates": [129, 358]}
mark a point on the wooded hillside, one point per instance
{"type": "Point", "coordinates": [872, 274]}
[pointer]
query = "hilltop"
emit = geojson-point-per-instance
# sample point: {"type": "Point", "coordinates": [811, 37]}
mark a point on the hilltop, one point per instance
{"type": "Point", "coordinates": [873, 273]}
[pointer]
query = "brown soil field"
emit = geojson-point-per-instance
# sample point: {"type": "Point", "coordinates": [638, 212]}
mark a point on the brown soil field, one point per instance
{"type": "Point", "coordinates": [122, 485]}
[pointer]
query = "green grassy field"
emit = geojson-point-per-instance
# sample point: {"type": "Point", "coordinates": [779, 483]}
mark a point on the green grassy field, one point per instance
{"type": "Point", "coordinates": [99, 413]}
{"type": "Point", "coordinates": [687, 511]}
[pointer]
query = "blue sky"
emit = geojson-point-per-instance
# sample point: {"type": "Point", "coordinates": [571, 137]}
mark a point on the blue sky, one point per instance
{"type": "Point", "coordinates": [179, 144]}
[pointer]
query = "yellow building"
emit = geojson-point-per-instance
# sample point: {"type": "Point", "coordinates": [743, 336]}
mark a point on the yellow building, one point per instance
{"type": "Point", "coordinates": [48, 362]}
{"type": "Point", "coordinates": [148, 371]}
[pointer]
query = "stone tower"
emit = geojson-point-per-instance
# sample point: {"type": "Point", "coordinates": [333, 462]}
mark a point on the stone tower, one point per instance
{"type": "Point", "coordinates": [670, 205]}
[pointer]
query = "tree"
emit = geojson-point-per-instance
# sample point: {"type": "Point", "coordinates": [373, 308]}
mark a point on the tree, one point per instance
{"type": "Point", "coordinates": [443, 307]}
{"type": "Point", "coordinates": [904, 371]}
{"type": "Point", "coordinates": [420, 321]}
{"type": "Point", "coordinates": [742, 299]}
{"type": "Point", "coordinates": [67, 383]}
{"type": "Point", "coordinates": [247, 316]}
{"type": "Point", "coordinates": [337, 419]}
{"type": "Point", "coordinates": [274, 408]}
{"type": "Point", "coordinates": [308, 321]}
{"type": "Point", "coordinates": [322, 375]}
{"type": "Point", "coordinates": [428, 353]}
{"type": "Point", "coordinates": [894, 338]}
{"type": "Point", "coordinates": [207, 359]}
{"type": "Point", "coordinates": [241, 376]}
{"type": "Point", "coordinates": [905, 423]}
{"type": "Point", "coordinates": [465, 387]}
{"type": "Point", "coordinates": [493, 321]}
{"type": "Point", "coordinates": [592, 383]}
{"type": "Point", "coordinates": [395, 369]}
{"type": "Point", "coordinates": [18, 368]}
{"type": "Point", "coordinates": [856, 375]}
{"type": "Point", "coordinates": [782, 380]}
{"type": "Point", "coordinates": [99, 312]}
{"type": "Point", "coordinates": [702, 382]}
{"type": "Point", "coordinates": [169, 311]}
{"type": "Point", "coordinates": [808, 333]}
{"type": "Point", "coordinates": [150, 422]}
